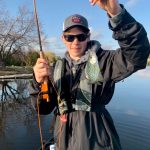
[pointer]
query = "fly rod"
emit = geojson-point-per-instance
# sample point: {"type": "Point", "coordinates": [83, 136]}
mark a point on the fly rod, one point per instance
{"type": "Point", "coordinates": [44, 86]}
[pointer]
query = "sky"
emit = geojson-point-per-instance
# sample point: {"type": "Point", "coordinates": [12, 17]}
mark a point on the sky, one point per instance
{"type": "Point", "coordinates": [53, 12]}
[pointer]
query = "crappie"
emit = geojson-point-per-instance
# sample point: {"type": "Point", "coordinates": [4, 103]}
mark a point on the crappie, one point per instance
{"type": "Point", "coordinates": [92, 69]}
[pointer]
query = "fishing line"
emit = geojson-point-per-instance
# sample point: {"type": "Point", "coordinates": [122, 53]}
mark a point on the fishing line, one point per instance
{"type": "Point", "coordinates": [63, 119]}
{"type": "Point", "coordinates": [39, 120]}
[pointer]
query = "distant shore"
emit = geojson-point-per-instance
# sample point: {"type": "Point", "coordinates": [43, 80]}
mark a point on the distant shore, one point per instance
{"type": "Point", "coordinates": [148, 61]}
{"type": "Point", "coordinates": [11, 70]}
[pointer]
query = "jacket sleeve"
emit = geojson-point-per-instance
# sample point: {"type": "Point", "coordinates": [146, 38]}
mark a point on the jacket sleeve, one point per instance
{"type": "Point", "coordinates": [133, 52]}
{"type": "Point", "coordinates": [44, 106]}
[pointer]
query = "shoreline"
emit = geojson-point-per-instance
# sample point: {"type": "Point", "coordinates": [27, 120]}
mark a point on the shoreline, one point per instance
{"type": "Point", "coordinates": [12, 70]}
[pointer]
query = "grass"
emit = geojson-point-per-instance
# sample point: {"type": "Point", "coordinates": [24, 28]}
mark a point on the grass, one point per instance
{"type": "Point", "coordinates": [11, 70]}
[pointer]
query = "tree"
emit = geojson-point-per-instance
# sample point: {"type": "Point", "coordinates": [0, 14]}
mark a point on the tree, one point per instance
{"type": "Point", "coordinates": [52, 58]}
{"type": "Point", "coordinates": [17, 34]}
{"type": "Point", "coordinates": [31, 57]}
{"type": "Point", "coordinates": [16, 59]}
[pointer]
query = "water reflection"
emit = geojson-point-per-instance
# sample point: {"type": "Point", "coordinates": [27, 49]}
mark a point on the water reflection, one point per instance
{"type": "Point", "coordinates": [19, 128]}
{"type": "Point", "coordinates": [18, 120]}
{"type": "Point", "coordinates": [134, 131]}
{"type": "Point", "coordinates": [129, 109]}
{"type": "Point", "coordinates": [13, 90]}
{"type": "Point", "coordinates": [132, 96]}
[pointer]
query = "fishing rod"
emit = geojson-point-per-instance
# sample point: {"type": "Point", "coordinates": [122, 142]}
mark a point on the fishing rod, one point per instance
{"type": "Point", "coordinates": [44, 86]}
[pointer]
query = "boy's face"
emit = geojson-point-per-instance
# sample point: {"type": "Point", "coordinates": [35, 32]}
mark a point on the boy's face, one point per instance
{"type": "Point", "coordinates": [76, 42]}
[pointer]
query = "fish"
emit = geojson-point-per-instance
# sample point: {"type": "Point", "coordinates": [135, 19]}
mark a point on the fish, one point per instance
{"type": "Point", "coordinates": [92, 69]}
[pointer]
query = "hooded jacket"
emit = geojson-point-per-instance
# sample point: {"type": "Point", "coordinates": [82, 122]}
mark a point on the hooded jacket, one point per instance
{"type": "Point", "coordinates": [94, 129]}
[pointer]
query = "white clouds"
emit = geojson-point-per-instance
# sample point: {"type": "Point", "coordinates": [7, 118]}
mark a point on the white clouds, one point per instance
{"type": "Point", "coordinates": [132, 113]}
{"type": "Point", "coordinates": [131, 3]}
{"type": "Point", "coordinates": [95, 35]}
{"type": "Point", "coordinates": [149, 38]}
{"type": "Point", "coordinates": [56, 46]}
{"type": "Point", "coordinates": [98, 35]}
{"type": "Point", "coordinates": [52, 39]}
{"type": "Point", "coordinates": [145, 73]}
{"type": "Point", "coordinates": [109, 46]}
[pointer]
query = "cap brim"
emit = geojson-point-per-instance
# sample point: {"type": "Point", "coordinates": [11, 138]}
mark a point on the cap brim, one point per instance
{"type": "Point", "coordinates": [68, 28]}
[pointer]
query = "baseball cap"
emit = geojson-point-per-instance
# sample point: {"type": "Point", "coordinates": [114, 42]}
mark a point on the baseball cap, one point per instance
{"type": "Point", "coordinates": [75, 20]}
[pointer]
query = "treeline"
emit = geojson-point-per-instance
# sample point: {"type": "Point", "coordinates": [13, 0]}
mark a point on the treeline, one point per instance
{"type": "Point", "coordinates": [18, 38]}
{"type": "Point", "coordinates": [148, 61]}
{"type": "Point", "coordinates": [28, 58]}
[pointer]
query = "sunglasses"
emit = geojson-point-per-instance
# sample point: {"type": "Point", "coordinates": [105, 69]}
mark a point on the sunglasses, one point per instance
{"type": "Point", "coordinates": [80, 37]}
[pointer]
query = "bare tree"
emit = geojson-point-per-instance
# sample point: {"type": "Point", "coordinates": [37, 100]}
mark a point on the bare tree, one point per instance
{"type": "Point", "coordinates": [17, 34]}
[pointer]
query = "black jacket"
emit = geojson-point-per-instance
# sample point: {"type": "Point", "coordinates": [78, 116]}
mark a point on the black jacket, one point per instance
{"type": "Point", "coordinates": [95, 130]}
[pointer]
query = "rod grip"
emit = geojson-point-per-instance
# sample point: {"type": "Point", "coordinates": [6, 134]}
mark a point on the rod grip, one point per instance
{"type": "Point", "coordinates": [44, 86]}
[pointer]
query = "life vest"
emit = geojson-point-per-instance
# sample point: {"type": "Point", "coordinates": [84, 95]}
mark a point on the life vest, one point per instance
{"type": "Point", "coordinates": [90, 74]}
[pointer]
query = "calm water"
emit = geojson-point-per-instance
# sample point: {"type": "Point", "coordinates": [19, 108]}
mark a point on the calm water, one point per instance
{"type": "Point", "coordinates": [130, 110]}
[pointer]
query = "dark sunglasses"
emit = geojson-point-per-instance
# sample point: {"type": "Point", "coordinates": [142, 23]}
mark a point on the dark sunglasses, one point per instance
{"type": "Point", "coordinates": [80, 37]}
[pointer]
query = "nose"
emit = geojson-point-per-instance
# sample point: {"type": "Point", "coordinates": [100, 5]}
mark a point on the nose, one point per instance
{"type": "Point", "coordinates": [75, 41]}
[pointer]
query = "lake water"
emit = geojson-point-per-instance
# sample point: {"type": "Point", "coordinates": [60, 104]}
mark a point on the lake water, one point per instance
{"type": "Point", "coordinates": [129, 108]}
